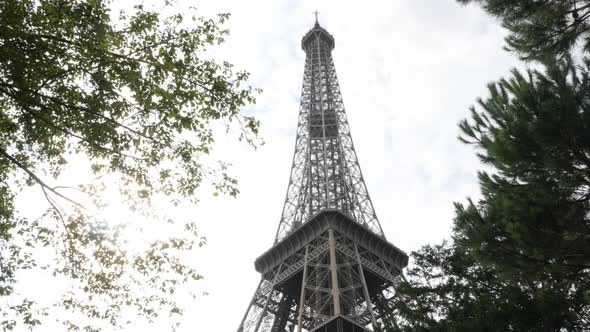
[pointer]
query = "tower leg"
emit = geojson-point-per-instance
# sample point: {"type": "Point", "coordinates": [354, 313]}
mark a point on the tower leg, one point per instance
{"type": "Point", "coordinates": [365, 288]}
{"type": "Point", "coordinates": [258, 309]}
{"type": "Point", "coordinates": [283, 314]}
{"type": "Point", "coordinates": [255, 312]}
{"type": "Point", "coordinates": [334, 273]}
{"type": "Point", "coordinates": [301, 305]}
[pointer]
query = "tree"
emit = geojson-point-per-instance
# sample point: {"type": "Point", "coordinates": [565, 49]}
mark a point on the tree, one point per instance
{"type": "Point", "coordinates": [541, 29]}
{"type": "Point", "coordinates": [535, 131]}
{"type": "Point", "coordinates": [520, 257]}
{"type": "Point", "coordinates": [450, 290]}
{"type": "Point", "coordinates": [135, 95]}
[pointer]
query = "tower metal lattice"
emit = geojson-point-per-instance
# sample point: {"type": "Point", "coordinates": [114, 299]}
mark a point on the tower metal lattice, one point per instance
{"type": "Point", "coordinates": [330, 268]}
{"type": "Point", "coordinates": [325, 172]}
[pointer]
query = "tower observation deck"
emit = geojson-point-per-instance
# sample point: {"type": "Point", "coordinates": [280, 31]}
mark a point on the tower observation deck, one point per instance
{"type": "Point", "coordinates": [331, 268]}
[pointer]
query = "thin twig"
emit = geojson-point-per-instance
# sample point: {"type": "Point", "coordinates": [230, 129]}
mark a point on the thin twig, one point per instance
{"type": "Point", "coordinates": [36, 178]}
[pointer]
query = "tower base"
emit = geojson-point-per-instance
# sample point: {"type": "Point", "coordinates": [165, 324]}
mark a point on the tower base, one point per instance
{"type": "Point", "coordinates": [332, 274]}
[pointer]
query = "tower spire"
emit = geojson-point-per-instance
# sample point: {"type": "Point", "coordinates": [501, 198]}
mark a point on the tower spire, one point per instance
{"type": "Point", "coordinates": [330, 268]}
{"type": "Point", "coordinates": [316, 18]}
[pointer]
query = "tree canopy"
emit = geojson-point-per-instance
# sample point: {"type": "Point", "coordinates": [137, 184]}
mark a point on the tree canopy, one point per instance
{"type": "Point", "coordinates": [519, 259]}
{"type": "Point", "coordinates": [133, 93]}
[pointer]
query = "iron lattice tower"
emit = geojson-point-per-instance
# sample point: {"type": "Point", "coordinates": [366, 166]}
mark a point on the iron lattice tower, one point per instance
{"type": "Point", "coordinates": [330, 268]}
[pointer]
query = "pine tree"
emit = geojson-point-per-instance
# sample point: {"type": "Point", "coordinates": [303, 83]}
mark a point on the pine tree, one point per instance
{"type": "Point", "coordinates": [520, 257]}
{"type": "Point", "coordinates": [541, 29]}
{"type": "Point", "coordinates": [535, 131]}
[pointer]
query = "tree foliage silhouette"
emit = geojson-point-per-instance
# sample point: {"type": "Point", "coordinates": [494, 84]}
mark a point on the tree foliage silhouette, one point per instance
{"type": "Point", "coordinates": [519, 259]}
{"type": "Point", "coordinates": [134, 94]}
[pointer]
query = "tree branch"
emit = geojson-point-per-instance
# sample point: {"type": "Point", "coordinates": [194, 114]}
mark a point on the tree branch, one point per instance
{"type": "Point", "coordinates": [36, 178]}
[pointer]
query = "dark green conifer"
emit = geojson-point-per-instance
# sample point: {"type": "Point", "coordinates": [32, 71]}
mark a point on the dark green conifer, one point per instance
{"type": "Point", "coordinates": [520, 255]}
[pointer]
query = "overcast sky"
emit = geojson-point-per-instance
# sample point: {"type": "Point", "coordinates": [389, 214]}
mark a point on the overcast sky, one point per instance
{"type": "Point", "coordinates": [408, 71]}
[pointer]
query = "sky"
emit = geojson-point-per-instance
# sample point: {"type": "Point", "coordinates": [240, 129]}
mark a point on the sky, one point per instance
{"type": "Point", "coordinates": [408, 70]}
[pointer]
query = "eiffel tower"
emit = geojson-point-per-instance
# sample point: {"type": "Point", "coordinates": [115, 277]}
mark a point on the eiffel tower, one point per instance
{"type": "Point", "coordinates": [330, 268]}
